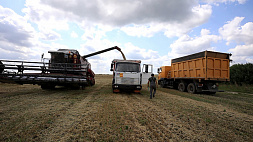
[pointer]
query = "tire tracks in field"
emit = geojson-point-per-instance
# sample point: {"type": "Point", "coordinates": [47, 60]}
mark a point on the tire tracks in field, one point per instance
{"type": "Point", "coordinates": [216, 113]}
{"type": "Point", "coordinates": [152, 122]}
{"type": "Point", "coordinates": [216, 108]}
{"type": "Point", "coordinates": [163, 125]}
{"type": "Point", "coordinates": [64, 127]}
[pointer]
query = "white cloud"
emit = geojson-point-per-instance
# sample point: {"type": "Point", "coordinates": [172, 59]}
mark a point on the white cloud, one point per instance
{"type": "Point", "coordinates": [14, 28]}
{"type": "Point", "coordinates": [242, 53]}
{"type": "Point", "coordinates": [16, 35]}
{"type": "Point", "coordinates": [199, 15]}
{"type": "Point", "coordinates": [19, 40]}
{"type": "Point", "coordinates": [45, 16]}
{"type": "Point", "coordinates": [242, 50]}
{"type": "Point", "coordinates": [242, 35]}
{"type": "Point", "coordinates": [249, 60]}
{"type": "Point", "coordinates": [234, 32]}
{"type": "Point", "coordinates": [136, 18]}
{"type": "Point", "coordinates": [147, 30]}
{"type": "Point", "coordinates": [189, 45]}
{"type": "Point", "coordinates": [74, 34]}
{"type": "Point", "coordinates": [223, 1]}
{"type": "Point", "coordinates": [134, 52]}
{"type": "Point", "coordinates": [113, 12]}
{"type": "Point", "coordinates": [93, 33]}
{"type": "Point", "coordinates": [49, 35]}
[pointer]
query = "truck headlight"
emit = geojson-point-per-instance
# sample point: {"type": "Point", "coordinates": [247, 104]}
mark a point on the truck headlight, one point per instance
{"type": "Point", "coordinates": [138, 87]}
{"type": "Point", "coordinates": [116, 86]}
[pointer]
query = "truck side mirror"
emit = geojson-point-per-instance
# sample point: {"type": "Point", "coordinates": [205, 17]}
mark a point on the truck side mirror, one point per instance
{"type": "Point", "coordinates": [159, 70]}
{"type": "Point", "coordinates": [111, 67]}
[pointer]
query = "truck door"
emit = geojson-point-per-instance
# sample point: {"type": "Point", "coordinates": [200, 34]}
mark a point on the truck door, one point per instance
{"type": "Point", "coordinates": [147, 70]}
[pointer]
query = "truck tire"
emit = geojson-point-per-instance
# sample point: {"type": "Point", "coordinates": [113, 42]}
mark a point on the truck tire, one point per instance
{"type": "Point", "coordinates": [182, 87]}
{"type": "Point", "coordinates": [191, 88]}
{"type": "Point", "coordinates": [162, 84]}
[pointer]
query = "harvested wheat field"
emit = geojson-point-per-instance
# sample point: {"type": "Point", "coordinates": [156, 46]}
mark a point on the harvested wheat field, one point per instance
{"type": "Point", "coordinates": [28, 113]}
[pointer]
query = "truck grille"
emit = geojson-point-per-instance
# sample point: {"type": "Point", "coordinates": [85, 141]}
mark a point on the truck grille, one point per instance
{"type": "Point", "coordinates": [130, 81]}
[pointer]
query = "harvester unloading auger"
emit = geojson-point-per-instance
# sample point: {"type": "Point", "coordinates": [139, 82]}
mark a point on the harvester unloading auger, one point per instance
{"type": "Point", "coordinates": [66, 67]}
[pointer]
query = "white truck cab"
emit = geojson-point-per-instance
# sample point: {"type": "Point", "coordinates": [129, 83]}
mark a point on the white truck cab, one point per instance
{"type": "Point", "coordinates": [126, 75]}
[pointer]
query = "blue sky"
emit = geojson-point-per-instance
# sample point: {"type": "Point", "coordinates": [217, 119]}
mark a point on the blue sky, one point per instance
{"type": "Point", "coordinates": [152, 31]}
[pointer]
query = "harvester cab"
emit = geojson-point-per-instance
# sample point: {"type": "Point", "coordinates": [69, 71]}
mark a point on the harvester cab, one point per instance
{"type": "Point", "coordinates": [65, 56]}
{"type": "Point", "coordinates": [69, 57]}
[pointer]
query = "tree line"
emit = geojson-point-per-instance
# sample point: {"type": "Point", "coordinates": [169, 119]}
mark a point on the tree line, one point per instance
{"type": "Point", "coordinates": [241, 74]}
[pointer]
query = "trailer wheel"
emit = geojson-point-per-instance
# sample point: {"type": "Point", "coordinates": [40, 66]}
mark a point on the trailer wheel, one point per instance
{"type": "Point", "coordinates": [191, 88]}
{"type": "Point", "coordinates": [162, 84]}
{"type": "Point", "coordinates": [182, 87]}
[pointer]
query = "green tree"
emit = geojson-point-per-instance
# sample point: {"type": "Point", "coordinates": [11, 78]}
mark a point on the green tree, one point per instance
{"type": "Point", "coordinates": [248, 73]}
{"type": "Point", "coordinates": [241, 73]}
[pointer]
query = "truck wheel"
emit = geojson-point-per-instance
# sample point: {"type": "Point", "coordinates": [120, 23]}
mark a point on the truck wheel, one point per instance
{"type": "Point", "coordinates": [181, 87]}
{"type": "Point", "coordinates": [191, 88]}
{"type": "Point", "coordinates": [162, 84]}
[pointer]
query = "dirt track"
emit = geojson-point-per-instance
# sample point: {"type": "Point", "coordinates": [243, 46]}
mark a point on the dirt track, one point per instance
{"type": "Point", "coordinates": [28, 113]}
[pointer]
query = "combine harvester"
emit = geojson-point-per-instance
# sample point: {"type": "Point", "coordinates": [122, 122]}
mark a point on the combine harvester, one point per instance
{"type": "Point", "coordinates": [66, 67]}
{"type": "Point", "coordinates": [196, 73]}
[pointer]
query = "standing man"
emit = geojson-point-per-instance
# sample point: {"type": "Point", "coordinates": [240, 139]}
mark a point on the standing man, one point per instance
{"type": "Point", "coordinates": [153, 83]}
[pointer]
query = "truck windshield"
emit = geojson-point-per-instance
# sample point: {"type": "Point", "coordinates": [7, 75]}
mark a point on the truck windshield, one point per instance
{"type": "Point", "coordinates": [128, 67]}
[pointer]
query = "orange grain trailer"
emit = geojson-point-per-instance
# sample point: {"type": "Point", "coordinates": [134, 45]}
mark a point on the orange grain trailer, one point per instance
{"type": "Point", "coordinates": [199, 72]}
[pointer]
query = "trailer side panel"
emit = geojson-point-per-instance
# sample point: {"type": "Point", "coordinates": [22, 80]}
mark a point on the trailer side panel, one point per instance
{"type": "Point", "coordinates": [211, 66]}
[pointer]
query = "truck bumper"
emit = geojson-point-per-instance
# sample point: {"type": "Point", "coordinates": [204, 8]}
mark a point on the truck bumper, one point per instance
{"type": "Point", "coordinates": [128, 88]}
